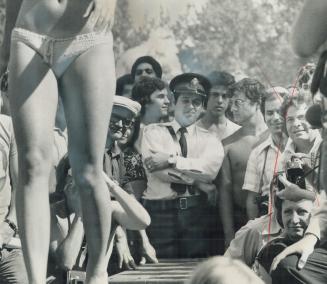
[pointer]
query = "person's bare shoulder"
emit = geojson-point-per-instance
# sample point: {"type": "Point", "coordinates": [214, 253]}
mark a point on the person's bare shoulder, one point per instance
{"type": "Point", "coordinates": [235, 137]}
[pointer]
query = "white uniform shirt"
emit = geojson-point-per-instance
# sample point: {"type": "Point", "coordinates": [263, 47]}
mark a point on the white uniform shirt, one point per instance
{"type": "Point", "coordinates": [205, 154]}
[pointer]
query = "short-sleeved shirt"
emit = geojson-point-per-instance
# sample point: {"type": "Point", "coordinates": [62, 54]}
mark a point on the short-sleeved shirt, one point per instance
{"type": "Point", "coordinates": [252, 237]}
{"type": "Point", "coordinates": [205, 154]}
{"type": "Point", "coordinates": [7, 152]}
{"type": "Point", "coordinates": [264, 160]}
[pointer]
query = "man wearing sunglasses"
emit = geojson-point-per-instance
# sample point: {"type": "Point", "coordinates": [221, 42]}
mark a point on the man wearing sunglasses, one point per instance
{"type": "Point", "coordinates": [181, 161]}
{"type": "Point", "coordinates": [124, 112]}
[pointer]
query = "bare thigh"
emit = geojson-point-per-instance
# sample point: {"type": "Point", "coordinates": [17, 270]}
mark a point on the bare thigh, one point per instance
{"type": "Point", "coordinates": [87, 89]}
{"type": "Point", "coordinates": [33, 101]}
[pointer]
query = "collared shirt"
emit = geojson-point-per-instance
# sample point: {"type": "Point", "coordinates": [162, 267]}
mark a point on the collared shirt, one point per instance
{"type": "Point", "coordinates": [114, 163]}
{"type": "Point", "coordinates": [138, 142]}
{"type": "Point", "coordinates": [8, 152]}
{"type": "Point", "coordinates": [252, 237]}
{"type": "Point", "coordinates": [264, 160]}
{"type": "Point", "coordinates": [205, 154]}
{"type": "Point", "coordinates": [222, 131]}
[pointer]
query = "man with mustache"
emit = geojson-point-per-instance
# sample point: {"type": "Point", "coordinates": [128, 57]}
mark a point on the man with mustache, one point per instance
{"type": "Point", "coordinates": [181, 160]}
{"type": "Point", "coordinates": [146, 66]}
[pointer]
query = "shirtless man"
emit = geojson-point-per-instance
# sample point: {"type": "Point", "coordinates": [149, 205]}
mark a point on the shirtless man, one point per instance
{"type": "Point", "coordinates": [40, 68]}
{"type": "Point", "coordinates": [245, 106]}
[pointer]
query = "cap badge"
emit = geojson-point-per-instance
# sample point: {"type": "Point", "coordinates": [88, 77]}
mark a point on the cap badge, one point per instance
{"type": "Point", "coordinates": [194, 82]}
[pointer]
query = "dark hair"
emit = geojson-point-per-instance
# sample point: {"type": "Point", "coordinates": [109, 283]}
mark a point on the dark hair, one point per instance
{"type": "Point", "coordinates": [305, 73]}
{"type": "Point", "coordinates": [290, 100]}
{"type": "Point", "coordinates": [252, 89]}
{"type": "Point", "coordinates": [278, 202]}
{"type": "Point", "coordinates": [220, 78]}
{"type": "Point", "coordinates": [136, 133]}
{"type": "Point", "coordinates": [121, 82]}
{"type": "Point", "coordinates": [143, 89]}
{"type": "Point", "coordinates": [147, 59]}
{"type": "Point", "coordinates": [268, 97]}
{"type": "Point", "coordinates": [319, 82]}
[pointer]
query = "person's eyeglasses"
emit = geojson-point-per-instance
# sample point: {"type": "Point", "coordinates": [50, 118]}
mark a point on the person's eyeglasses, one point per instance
{"type": "Point", "coordinates": [238, 103]}
{"type": "Point", "coordinates": [195, 102]}
{"type": "Point", "coordinates": [126, 122]}
{"type": "Point", "coordinates": [148, 71]}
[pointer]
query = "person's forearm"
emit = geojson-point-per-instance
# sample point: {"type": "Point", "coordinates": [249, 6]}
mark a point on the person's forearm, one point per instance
{"type": "Point", "coordinates": [135, 211]}
{"type": "Point", "coordinates": [69, 248]}
{"type": "Point", "coordinates": [251, 206]}
{"type": "Point", "coordinates": [120, 234]}
{"type": "Point", "coordinates": [144, 236]}
{"type": "Point", "coordinates": [226, 212]}
{"type": "Point", "coordinates": [12, 10]}
{"type": "Point", "coordinates": [13, 172]}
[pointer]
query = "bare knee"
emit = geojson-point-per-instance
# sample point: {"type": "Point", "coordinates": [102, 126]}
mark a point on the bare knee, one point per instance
{"type": "Point", "coordinates": [87, 178]}
{"type": "Point", "coordinates": [34, 163]}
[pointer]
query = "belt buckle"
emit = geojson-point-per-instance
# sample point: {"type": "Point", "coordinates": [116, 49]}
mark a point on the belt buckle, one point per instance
{"type": "Point", "coordinates": [183, 203]}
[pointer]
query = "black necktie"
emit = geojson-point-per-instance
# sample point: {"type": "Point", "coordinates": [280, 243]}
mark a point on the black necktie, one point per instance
{"type": "Point", "coordinates": [182, 141]}
{"type": "Point", "coordinates": [177, 187]}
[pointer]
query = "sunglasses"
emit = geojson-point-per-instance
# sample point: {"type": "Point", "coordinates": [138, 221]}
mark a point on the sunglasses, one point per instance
{"type": "Point", "coordinates": [126, 122]}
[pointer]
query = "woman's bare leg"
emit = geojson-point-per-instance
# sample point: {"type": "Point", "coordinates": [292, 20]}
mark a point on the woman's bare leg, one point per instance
{"type": "Point", "coordinates": [87, 90]}
{"type": "Point", "coordinates": [33, 103]}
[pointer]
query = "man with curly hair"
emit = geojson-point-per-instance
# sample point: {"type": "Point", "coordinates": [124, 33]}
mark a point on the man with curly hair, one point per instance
{"type": "Point", "coordinates": [245, 107]}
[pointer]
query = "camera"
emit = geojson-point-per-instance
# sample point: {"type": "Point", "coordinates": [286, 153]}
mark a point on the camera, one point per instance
{"type": "Point", "coordinates": [262, 202]}
{"type": "Point", "coordinates": [294, 173]}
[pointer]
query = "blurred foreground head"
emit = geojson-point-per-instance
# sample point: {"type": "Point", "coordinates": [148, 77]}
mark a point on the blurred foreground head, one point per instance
{"type": "Point", "coordinates": [223, 270]}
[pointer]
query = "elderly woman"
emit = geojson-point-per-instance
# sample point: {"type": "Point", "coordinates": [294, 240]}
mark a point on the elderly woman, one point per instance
{"type": "Point", "coordinates": [294, 217]}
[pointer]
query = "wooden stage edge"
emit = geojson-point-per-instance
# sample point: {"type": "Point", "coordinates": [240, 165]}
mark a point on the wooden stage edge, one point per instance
{"type": "Point", "coordinates": [166, 271]}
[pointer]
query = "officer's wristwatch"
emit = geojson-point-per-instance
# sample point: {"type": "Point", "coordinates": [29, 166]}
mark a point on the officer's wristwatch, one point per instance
{"type": "Point", "coordinates": [172, 160]}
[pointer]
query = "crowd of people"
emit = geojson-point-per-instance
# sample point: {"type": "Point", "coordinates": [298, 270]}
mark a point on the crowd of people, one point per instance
{"type": "Point", "coordinates": [203, 165]}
